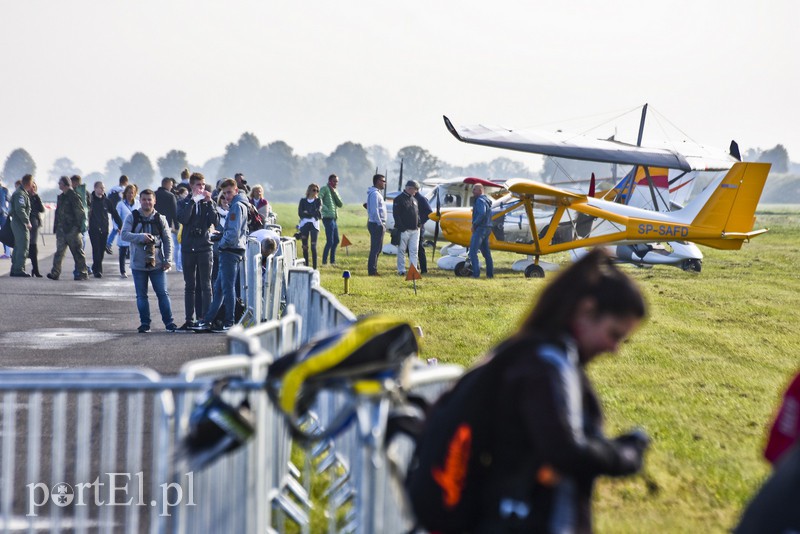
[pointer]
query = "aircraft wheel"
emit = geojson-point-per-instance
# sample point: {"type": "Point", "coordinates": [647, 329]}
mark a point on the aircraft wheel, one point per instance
{"type": "Point", "coordinates": [693, 265]}
{"type": "Point", "coordinates": [534, 271]}
{"type": "Point", "coordinates": [462, 269]}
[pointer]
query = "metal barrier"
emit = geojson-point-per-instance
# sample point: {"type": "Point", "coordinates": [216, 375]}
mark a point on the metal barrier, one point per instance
{"type": "Point", "coordinates": [119, 435]}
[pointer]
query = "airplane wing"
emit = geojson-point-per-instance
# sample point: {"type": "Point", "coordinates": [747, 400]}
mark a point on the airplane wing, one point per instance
{"type": "Point", "coordinates": [558, 144]}
{"type": "Point", "coordinates": [529, 187]}
{"type": "Point", "coordinates": [486, 183]}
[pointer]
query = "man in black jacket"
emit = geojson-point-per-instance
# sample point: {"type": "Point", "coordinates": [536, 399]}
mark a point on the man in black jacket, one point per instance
{"type": "Point", "coordinates": [167, 205]}
{"type": "Point", "coordinates": [166, 202]}
{"type": "Point", "coordinates": [100, 206]}
{"type": "Point", "coordinates": [197, 213]}
{"type": "Point", "coordinates": [406, 221]}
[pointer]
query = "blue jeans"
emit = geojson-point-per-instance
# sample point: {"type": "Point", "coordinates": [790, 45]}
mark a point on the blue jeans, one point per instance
{"type": "Point", "coordinates": [376, 232]}
{"type": "Point", "coordinates": [158, 279]}
{"type": "Point", "coordinates": [480, 241]}
{"type": "Point", "coordinates": [112, 236]}
{"type": "Point", "coordinates": [331, 239]}
{"type": "Point", "coordinates": [225, 287]}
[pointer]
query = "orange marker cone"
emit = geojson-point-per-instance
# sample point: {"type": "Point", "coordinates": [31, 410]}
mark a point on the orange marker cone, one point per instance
{"type": "Point", "coordinates": [345, 243]}
{"type": "Point", "coordinates": [413, 273]}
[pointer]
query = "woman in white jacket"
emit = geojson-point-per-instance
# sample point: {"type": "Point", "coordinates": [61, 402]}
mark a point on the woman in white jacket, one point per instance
{"type": "Point", "coordinates": [125, 207]}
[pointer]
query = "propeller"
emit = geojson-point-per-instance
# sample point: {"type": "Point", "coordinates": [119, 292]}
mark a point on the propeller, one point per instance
{"type": "Point", "coordinates": [400, 179]}
{"type": "Point", "coordinates": [436, 228]}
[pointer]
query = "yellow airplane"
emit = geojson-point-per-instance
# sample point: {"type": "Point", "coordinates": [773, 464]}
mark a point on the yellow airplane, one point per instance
{"type": "Point", "coordinates": [556, 220]}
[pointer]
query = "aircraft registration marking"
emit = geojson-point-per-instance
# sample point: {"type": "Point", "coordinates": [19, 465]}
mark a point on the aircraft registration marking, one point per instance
{"type": "Point", "coordinates": [664, 230]}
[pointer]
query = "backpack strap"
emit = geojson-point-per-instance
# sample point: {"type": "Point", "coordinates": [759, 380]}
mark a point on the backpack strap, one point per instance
{"type": "Point", "coordinates": [137, 219]}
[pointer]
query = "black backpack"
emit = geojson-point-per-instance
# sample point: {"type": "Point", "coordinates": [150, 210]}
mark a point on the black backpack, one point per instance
{"type": "Point", "coordinates": [254, 219]}
{"type": "Point", "coordinates": [115, 197]}
{"type": "Point", "coordinates": [453, 453]}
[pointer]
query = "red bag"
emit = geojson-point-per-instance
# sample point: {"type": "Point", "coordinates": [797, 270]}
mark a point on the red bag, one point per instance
{"type": "Point", "coordinates": [786, 427]}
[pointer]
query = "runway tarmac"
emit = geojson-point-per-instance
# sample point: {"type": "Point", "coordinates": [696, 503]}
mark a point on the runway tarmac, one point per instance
{"type": "Point", "coordinates": [90, 323]}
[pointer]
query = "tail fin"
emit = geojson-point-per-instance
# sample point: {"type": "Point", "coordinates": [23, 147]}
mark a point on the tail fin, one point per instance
{"type": "Point", "coordinates": [729, 209]}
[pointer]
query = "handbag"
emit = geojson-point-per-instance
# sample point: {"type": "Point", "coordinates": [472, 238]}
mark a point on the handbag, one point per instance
{"type": "Point", "coordinates": [395, 235]}
{"type": "Point", "coordinates": [6, 235]}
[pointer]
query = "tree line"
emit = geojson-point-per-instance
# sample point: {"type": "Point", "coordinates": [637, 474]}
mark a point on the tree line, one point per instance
{"type": "Point", "coordinates": [286, 175]}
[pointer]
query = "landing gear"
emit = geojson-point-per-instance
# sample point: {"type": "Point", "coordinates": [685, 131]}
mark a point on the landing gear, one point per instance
{"type": "Point", "coordinates": [463, 268]}
{"type": "Point", "coordinates": [534, 271]}
{"type": "Point", "coordinates": [693, 265]}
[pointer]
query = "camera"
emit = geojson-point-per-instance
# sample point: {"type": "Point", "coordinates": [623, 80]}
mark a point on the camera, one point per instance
{"type": "Point", "coordinates": [197, 232]}
{"type": "Point", "coordinates": [150, 252]}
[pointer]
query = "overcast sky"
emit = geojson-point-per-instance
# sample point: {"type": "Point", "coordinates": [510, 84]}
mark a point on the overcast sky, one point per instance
{"type": "Point", "coordinates": [94, 80]}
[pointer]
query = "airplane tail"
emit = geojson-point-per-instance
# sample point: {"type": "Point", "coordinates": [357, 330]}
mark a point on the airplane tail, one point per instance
{"type": "Point", "coordinates": [727, 211]}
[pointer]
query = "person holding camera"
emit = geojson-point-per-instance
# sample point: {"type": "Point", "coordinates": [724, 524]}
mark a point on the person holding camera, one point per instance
{"type": "Point", "coordinates": [197, 213]}
{"type": "Point", "coordinates": [151, 256]}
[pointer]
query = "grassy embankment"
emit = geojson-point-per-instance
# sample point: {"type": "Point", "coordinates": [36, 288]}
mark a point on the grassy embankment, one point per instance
{"type": "Point", "coordinates": [703, 375]}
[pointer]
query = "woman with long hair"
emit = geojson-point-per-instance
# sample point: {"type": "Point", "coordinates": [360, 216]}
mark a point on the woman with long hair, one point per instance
{"type": "Point", "coordinates": [548, 441]}
{"type": "Point", "coordinates": [310, 212]}
{"type": "Point", "coordinates": [37, 208]}
{"type": "Point", "coordinates": [259, 202]}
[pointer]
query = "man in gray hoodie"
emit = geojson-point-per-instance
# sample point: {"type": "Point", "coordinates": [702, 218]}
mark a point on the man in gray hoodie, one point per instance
{"type": "Point", "coordinates": [232, 246]}
{"type": "Point", "coordinates": [151, 257]}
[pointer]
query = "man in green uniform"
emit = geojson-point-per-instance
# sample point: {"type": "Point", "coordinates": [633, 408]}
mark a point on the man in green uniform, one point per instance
{"type": "Point", "coordinates": [67, 227]}
{"type": "Point", "coordinates": [20, 211]}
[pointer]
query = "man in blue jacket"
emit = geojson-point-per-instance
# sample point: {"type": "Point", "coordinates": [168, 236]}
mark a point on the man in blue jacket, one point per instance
{"type": "Point", "coordinates": [481, 230]}
{"type": "Point", "coordinates": [232, 246]}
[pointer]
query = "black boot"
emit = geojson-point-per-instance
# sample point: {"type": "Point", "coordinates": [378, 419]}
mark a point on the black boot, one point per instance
{"type": "Point", "coordinates": [35, 266]}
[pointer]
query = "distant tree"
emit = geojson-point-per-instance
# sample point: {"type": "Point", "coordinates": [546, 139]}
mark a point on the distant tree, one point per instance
{"type": "Point", "coordinates": [278, 166]}
{"type": "Point", "coordinates": [61, 167]}
{"type": "Point", "coordinates": [18, 164]}
{"type": "Point", "coordinates": [172, 164]}
{"type": "Point", "coordinates": [566, 170]}
{"type": "Point", "coordinates": [308, 166]}
{"type": "Point", "coordinates": [140, 171]}
{"type": "Point", "coordinates": [350, 163]}
{"type": "Point", "coordinates": [379, 156]}
{"type": "Point", "coordinates": [93, 177]}
{"type": "Point", "coordinates": [778, 157]}
{"type": "Point", "coordinates": [210, 168]}
{"type": "Point", "coordinates": [505, 168]}
{"type": "Point", "coordinates": [113, 171]}
{"type": "Point", "coordinates": [752, 154]}
{"type": "Point", "coordinates": [418, 163]}
{"type": "Point", "coordinates": [242, 156]}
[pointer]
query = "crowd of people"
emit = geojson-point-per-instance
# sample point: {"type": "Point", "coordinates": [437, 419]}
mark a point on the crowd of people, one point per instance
{"type": "Point", "coordinates": [199, 230]}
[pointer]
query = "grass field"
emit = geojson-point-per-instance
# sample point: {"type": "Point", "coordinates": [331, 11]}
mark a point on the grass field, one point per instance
{"type": "Point", "coordinates": [703, 375]}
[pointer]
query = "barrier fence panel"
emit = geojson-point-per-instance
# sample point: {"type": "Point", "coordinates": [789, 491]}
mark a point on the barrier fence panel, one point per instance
{"type": "Point", "coordinates": [85, 449]}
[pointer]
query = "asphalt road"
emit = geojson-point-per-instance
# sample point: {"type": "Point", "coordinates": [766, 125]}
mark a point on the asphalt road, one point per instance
{"type": "Point", "coordinates": [68, 324]}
